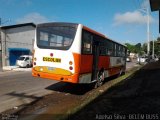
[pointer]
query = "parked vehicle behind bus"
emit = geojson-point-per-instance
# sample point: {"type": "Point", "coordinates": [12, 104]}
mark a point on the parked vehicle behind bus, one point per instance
{"type": "Point", "coordinates": [24, 61]}
{"type": "Point", "coordinates": [74, 53]}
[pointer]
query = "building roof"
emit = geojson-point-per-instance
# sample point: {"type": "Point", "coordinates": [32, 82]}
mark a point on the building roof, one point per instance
{"type": "Point", "coordinates": [18, 25]}
{"type": "Point", "coordinates": [155, 5]}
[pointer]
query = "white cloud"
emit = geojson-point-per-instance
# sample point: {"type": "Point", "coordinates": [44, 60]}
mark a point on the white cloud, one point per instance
{"type": "Point", "coordinates": [135, 17]}
{"type": "Point", "coordinates": [32, 17]}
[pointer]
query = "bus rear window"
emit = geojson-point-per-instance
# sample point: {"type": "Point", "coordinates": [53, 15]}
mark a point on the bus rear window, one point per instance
{"type": "Point", "coordinates": [55, 37]}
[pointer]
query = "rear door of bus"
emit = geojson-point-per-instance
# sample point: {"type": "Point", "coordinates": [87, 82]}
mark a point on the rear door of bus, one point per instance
{"type": "Point", "coordinates": [95, 59]}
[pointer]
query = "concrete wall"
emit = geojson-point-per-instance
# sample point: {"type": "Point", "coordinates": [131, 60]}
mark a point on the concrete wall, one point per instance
{"type": "Point", "coordinates": [19, 37]}
{"type": "Point", "coordinates": [0, 60]}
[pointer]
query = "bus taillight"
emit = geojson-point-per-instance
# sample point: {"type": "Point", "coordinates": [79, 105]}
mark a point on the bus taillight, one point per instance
{"type": "Point", "coordinates": [51, 54]}
{"type": "Point", "coordinates": [71, 68]}
{"type": "Point", "coordinates": [70, 62]}
{"type": "Point", "coordinates": [35, 59]}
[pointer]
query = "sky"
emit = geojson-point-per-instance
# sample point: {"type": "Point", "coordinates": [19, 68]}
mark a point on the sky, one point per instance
{"type": "Point", "coordinates": [124, 21]}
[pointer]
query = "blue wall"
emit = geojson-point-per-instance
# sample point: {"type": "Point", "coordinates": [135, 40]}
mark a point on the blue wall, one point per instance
{"type": "Point", "coordinates": [15, 53]}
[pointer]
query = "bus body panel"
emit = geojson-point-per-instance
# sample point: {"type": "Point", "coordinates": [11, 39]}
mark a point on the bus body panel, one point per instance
{"type": "Point", "coordinates": [86, 64]}
{"type": "Point", "coordinates": [64, 78]}
{"type": "Point", "coordinates": [44, 59]}
{"type": "Point", "coordinates": [104, 62]}
{"type": "Point", "coordinates": [76, 45]}
{"type": "Point", "coordinates": [57, 71]}
{"type": "Point", "coordinates": [117, 65]}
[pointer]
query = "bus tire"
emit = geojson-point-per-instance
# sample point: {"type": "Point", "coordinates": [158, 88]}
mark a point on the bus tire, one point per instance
{"type": "Point", "coordinates": [121, 73]}
{"type": "Point", "coordinates": [100, 79]}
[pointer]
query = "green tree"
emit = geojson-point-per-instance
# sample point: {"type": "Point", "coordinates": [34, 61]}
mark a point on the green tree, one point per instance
{"type": "Point", "coordinates": [138, 48]}
{"type": "Point", "coordinates": [130, 47]}
{"type": "Point", "coordinates": [134, 48]}
{"type": "Point", "coordinates": [144, 47]}
{"type": "Point", "coordinates": [158, 39]}
{"type": "Point", "coordinates": [156, 47]}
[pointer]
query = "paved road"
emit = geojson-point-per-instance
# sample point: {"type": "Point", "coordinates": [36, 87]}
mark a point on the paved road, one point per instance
{"type": "Point", "coordinates": [130, 65]}
{"type": "Point", "coordinates": [18, 88]}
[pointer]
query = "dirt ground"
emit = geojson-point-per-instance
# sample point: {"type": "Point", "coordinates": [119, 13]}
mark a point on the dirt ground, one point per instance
{"type": "Point", "coordinates": [65, 97]}
{"type": "Point", "coordinates": [137, 97]}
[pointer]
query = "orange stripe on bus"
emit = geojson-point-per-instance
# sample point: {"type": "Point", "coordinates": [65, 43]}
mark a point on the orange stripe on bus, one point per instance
{"type": "Point", "coordinates": [77, 58]}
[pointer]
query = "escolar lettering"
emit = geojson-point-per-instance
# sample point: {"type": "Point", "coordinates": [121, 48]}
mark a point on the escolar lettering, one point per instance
{"type": "Point", "coordinates": [48, 59]}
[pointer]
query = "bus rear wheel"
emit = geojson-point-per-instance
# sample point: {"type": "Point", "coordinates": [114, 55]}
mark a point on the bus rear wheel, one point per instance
{"type": "Point", "coordinates": [121, 73]}
{"type": "Point", "coordinates": [100, 79]}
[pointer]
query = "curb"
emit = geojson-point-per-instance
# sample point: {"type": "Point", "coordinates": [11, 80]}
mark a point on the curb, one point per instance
{"type": "Point", "coordinates": [15, 68]}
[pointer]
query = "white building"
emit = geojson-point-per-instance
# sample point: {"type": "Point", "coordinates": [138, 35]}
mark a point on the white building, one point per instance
{"type": "Point", "coordinates": [16, 40]}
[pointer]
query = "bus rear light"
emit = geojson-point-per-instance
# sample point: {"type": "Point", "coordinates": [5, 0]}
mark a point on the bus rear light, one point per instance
{"type": "Point", "coordinates": [35, 59]}
{"type": "Point", "coordinates": [71, 68]}
{"type": "Point", "coordinates": [51, 54]}
{"type": "Point", "coordinates": [70, 62]}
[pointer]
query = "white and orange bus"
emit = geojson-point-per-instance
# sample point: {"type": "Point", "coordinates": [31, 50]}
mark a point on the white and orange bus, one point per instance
{"type": "Point", "coordinates": [74, 53]}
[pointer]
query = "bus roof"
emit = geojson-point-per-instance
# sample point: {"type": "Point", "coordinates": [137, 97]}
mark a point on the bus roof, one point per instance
{"type": "Point", "coordinates": [57, 23]}
{"type": "Point", "coordinates": [75, 25]}
{"type": "Point", "coordinates": [97, 33]}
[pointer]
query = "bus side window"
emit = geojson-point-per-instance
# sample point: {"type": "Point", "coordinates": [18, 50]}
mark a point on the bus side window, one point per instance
{"type": "Point", "coordinates": [103, 50]}
{"type": "Point", "coordinates": [110, 52]}
{"type": "Point", "coordinates": [87, 43]}
{"type": "Point", "coordinates": [123, 52]}
{"type": "Point", "coordinates": [110, 48]}
{"type": "Point", "coordinates": [116, 50]}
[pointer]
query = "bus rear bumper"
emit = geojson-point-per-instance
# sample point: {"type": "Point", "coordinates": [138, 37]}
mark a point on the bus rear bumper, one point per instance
{"type": "Point", "coordinates": [64, 78]}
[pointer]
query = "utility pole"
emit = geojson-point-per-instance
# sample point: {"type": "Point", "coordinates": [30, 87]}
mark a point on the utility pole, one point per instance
{"type": "Point", "coordinates": [152, 46]}
{"type": "Point", "coordinates": [1, 47]}
{"type": "Point", "coordinates": [153, 50]}
{"type": "Point", "coordinates": [146, 11]}
{"type": "Point", "coordinates": [148, 32]}
{"type": "Point", "coordinates": [1, 42]}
